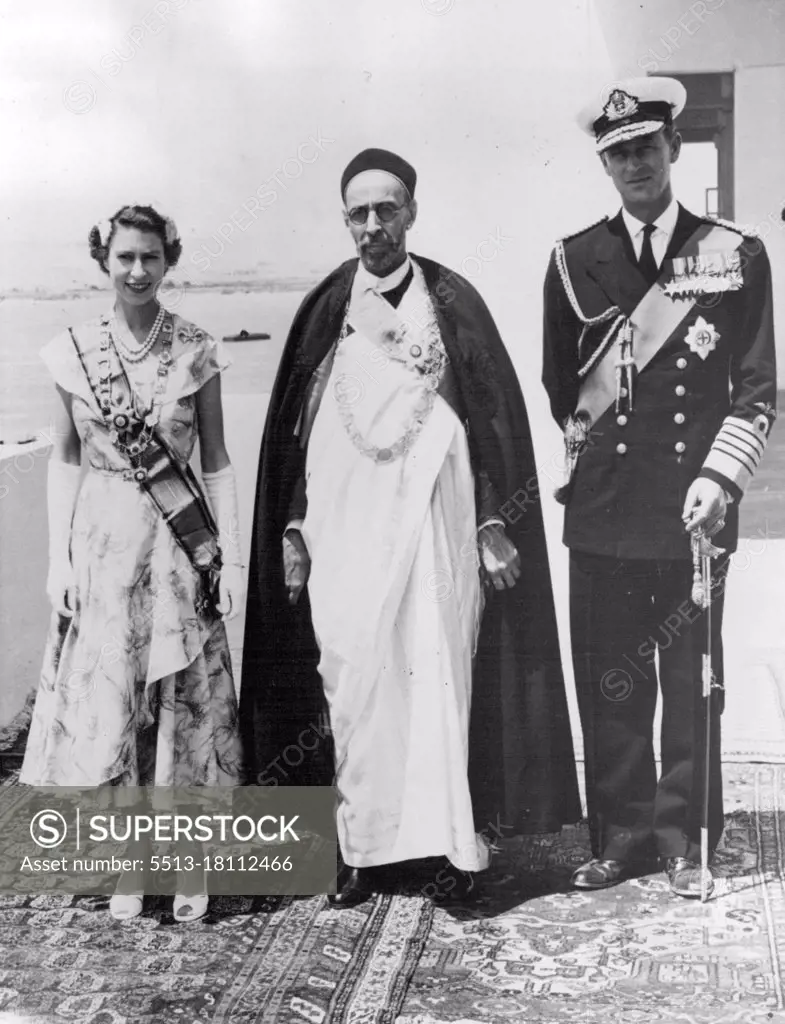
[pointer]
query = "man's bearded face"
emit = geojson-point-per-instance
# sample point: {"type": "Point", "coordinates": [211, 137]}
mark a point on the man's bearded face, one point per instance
{"type": "Point", "coordinates": [378, 212]}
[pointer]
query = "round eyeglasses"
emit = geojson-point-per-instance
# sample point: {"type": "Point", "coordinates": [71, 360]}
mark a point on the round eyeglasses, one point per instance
{"type": "Point", "coordinates": [385, 212]}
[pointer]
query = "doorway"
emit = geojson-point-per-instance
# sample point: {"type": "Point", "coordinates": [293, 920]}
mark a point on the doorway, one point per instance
{"type": "Point", "coordinates": [696, 178]}
{"type": "Point", "coordinates": [704, 174]}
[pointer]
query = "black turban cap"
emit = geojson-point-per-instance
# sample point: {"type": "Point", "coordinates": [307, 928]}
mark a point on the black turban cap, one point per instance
{"type": "Point", "coordinates": [380, 160]}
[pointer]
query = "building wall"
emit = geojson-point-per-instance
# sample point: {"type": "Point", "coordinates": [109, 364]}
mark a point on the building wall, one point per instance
{"type": "Point", "coordinates": [746, 37]}
{"type": "Point", "coordinates": [760, 172]}
{"type": "Point", "coordinates": [659, 36]}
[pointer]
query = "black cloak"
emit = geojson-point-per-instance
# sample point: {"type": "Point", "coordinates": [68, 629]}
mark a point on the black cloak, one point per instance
{"type": "Point", "coordinates": [521, 762]}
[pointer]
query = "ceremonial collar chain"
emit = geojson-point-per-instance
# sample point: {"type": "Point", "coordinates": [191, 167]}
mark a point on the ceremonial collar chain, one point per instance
{"type": "Point", "coordinates": [428, 360]}
{"type": "Point", "coordinates": [345, 390]}
{"type": "Point", "coordinates": [131, 429]}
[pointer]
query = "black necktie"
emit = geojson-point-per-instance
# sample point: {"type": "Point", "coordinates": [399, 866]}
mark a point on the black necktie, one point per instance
{"type": "Point", "coordinates": [646, 261]}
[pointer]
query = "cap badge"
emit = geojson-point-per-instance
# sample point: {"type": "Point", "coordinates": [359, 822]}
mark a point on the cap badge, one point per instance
{"type": "Point", "coordinates": [620, 104]}
{"type": "Point", "coordinates": [702, 338]}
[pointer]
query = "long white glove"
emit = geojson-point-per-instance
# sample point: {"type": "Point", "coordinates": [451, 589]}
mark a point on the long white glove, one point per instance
{"type": "Point", "coordinates": [221, 490]}
{"type": "Point", "coordinates": [62, 488]}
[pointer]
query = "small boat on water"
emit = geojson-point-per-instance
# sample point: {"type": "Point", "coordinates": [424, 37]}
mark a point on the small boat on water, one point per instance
{"type": "Point", "coordinates": [247, 336]}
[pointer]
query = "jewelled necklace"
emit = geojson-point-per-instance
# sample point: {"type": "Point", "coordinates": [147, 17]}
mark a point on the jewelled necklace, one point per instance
{"type": "Point", "coordinates": [135, 354]}
{"type": "Point", "coordinates": [129, 430]}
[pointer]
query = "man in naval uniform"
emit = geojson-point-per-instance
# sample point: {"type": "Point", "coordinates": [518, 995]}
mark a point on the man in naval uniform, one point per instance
{"type": "Point", "coordinates": [395, 443]}
{"type": "Point", "coordinates": [659, 364]}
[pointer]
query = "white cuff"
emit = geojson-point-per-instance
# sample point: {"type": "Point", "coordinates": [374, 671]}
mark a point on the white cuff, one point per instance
{"type": "Point", "coordinates": [738, 449]}
{"type": "Point", "coordinates": [221, 490]}
{"type": "Point", "coordinates": [62, 487]}
{"type": "Point", "coordinates": [493, 521]}
{"type": "Point", "coordinates": [295, 524]}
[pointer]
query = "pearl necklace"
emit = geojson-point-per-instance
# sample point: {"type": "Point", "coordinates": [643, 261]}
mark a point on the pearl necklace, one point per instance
{"type": "Point", "coordinates": [137, 354]}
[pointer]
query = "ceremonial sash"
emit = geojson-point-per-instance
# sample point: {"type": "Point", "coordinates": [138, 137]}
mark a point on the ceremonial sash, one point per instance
{"type": "Point", "coordinates": [374, 317]}
{"type": "Point", "coordinates": [649, 326]}
{"type": "Point", "coordinates": [387, 328]}
{"type": "Point", "coordinates": [653, 321]}
{"type": "Point", "coordinates": [396, 370]}
{"type": "Point", "coordinates": [173, 488]}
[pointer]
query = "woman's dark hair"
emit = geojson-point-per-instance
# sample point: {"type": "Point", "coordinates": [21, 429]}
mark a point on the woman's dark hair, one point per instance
{"type": "Point", "coordinates": [143, 218]}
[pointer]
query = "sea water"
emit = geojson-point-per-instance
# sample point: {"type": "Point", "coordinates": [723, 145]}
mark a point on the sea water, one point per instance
{"type": "Point", "coordinates": [27, 394]}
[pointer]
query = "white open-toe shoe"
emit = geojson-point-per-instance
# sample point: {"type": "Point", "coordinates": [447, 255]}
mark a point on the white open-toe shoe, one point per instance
{"type": "Point", "coordinates": [190, 908]}
{"type": "Point", "coordinates": [124, 908]}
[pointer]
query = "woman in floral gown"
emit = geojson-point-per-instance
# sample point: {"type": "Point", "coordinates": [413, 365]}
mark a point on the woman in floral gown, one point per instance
{"type": "Point", "coordinates": [136, 687]}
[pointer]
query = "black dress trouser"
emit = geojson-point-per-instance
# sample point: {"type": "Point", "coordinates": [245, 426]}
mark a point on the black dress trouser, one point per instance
{"type": "Point", "coordinates": [621, 613]}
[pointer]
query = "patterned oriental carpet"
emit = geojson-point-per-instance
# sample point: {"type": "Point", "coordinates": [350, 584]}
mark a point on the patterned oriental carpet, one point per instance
{"type": "Point", "coordinates": [535, 951]}
{"type": "Point", "coordinates": [280, 961]}
{"type": "Point", "coordinates": [532, 951]}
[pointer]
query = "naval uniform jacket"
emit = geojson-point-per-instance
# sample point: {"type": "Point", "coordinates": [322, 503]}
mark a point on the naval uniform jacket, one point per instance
{"type": "Point", "coordinates": [697, 410]}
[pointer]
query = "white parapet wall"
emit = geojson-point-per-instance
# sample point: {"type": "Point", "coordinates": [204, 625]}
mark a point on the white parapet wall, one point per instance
{"type": "Point", "coordinates": [24, 609]}
{"type": "Point", "coordinates": [754, 720]}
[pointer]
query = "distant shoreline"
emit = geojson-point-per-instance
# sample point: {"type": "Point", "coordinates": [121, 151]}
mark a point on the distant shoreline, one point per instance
{"type": "Point", "coordinates": [280, 284]}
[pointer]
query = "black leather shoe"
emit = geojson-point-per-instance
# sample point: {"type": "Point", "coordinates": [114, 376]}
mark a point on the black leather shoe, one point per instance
{"type": "Point", "coordinates": [600, 874]}
{"type": "Point", "coordinates": [454, 886]}
{"type": "Point", "coordinates": [354, 888]}
{"type": "Point", "coordinates": [684, 877]}
{"type": "Point", "coordinates": [465, 889]}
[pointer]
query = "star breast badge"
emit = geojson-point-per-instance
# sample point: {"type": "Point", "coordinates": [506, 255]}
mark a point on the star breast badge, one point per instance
{"type": "Point", "coordinates": [702, 338]}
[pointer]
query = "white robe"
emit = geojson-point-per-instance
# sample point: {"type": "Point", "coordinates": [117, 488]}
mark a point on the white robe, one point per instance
{"type": "Point", "coordinates": [395, 599]}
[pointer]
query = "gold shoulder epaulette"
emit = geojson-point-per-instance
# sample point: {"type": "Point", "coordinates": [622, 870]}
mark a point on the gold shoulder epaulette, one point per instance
{"type": "Point", "coordinates": [741, 229]}
{"type": "Point", "coordinates": [576, 234]}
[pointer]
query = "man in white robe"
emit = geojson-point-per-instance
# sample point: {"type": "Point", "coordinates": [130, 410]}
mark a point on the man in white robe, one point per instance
{"type": "Point", "coordinates": [387, 528]}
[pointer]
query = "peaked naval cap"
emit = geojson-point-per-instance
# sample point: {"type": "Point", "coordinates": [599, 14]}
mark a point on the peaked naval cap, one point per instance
{"type": "Point", "coordinates": [635, 107]}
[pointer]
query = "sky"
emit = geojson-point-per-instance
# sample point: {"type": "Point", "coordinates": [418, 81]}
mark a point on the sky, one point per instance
{"type": "Point", "coordinates": [237, 119]}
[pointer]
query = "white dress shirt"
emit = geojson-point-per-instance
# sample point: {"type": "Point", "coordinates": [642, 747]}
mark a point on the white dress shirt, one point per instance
{"type": "Point", "coordinates": [364, 280]}
{"type": "Point", "coordinates": [665, 225]}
